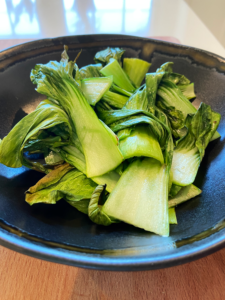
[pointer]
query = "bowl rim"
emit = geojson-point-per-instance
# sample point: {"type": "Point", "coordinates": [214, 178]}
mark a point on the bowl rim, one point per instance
{"type": "Point", "coordinates": [39, 250]}
{"type": "Point", "coordinates": [17, 242]}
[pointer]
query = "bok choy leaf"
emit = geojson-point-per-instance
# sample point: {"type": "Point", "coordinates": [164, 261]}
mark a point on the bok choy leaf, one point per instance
{"type": "Point", "coordinates": [186, 193]}
{"type": "Point", "coordinates": [95, 138]}
{"type": "Point", "coordinates": [190, 149]}
{"type": "Point", "coordinates": [64, 182]}
{"type": "Point", "coordinates": [90, 71]}
{"type": "Point", "coordinates": [95, 212]}
{"type": "Point", "coordinates": [94, 88]}
{"type": "Point", "coordinates": [172, 216]}
{"type": "Point", "coordinates": [121, 119]}
{"type": "Point", "coordinates": [42, 131]}
{"type": "Point", "coordinates": [175, 105]}
{"type": "Point", "coordinates": [187, 90]}
{"type": "Point", "coordinates": [73, 154]}
{"type": "Point", "coordinates": [144, 201]}
{"type": "Point", "coordinates": [120, 78]}
{"type": "Point", "coordinates": [136, 69]}
{"type": "Point", "coordinates": [104, 56]}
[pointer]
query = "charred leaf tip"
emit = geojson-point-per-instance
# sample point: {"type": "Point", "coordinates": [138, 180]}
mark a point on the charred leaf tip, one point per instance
{"type": "Point", "coordinates": [78, 55]}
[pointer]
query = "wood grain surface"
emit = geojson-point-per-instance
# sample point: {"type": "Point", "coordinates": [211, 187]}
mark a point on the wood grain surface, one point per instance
{"type": "Point", "coordinates": [26, 278]}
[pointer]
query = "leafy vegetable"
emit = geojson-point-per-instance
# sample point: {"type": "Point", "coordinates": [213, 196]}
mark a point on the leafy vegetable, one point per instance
{"type": "Point", "coordinates": [152, 82]}
{"type": "Point", "coordinates": [174, 190]}
{"type": "Point", "coordinates": [175, 105]}
{"type": "Point", "coordinates": [114, 99]}
{"type": "Point", "coordinates": [53, 159]}
{"type": "Point", "coordinates": [136, 69]}
{"type": "Point", "coordinates": [64, 182]}
{"type": "Point", "coordinates": [172, 216]}
{"type": "Point", "coordinates": [144, 173]}
{"type": "Point", "coordinates": [95, 212]}
{"type": "Point", "coordinates": [41, 131]}
{"type": "Point", "coordinates": [190, 149]}
{"type": "Point", "coordinates": [144, 201]}
{"type": "Point", "coordinates": [122, 119]}
{"type": "Point", "coordinates": [117, 89]}
{"type": "Point", "coordinates": [140, 141]}
{"type": "Point", "coordinates": [187, 90]}
{"type": "Point", "coordinates": [176, 78]}
{"type": "Point", "coordinates": [186, 193]}
{"type": "Point", "coordinates": [90, 71]}
{"type": "Point", "coordinates": [119, 76]}
{"type": "Point", "coordinates": [95, 138]}
{"type": "Point", "coordinates": [95, 88]}
{"type": "Point", "coordinates": [73, 154]}
{"type": "Point", "coordinates": [104, 56]}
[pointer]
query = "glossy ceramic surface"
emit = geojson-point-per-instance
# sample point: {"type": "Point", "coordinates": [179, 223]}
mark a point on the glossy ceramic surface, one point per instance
{"type": "Point", "coordinates": [61, 234]}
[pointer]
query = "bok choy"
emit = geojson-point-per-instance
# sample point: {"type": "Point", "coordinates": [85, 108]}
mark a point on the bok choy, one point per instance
{"type": "Point", "coordinates": [96, 139]}
{"type": "Point", "coordinates": [115, 141]}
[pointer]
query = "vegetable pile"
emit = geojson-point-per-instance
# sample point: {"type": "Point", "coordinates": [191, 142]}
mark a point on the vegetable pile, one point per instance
{"type": "Point", "coordinates": [112, 147]}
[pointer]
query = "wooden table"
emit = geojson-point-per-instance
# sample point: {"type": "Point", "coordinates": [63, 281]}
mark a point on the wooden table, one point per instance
{"type": "Point", "coordinates": [26, 278]}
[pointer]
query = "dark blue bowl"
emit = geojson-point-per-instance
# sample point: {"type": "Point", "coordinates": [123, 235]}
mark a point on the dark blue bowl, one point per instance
{"type": "Point", "coordinates": [61, 234]}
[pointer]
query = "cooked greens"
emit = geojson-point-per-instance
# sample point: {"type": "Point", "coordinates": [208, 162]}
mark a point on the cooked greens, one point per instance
{"type": "Point", "coordinates": [42, 131]}
{"type": "Point", "coordinates": [136, 69]}
{"type": "Point", "coordinates": [190, 149]}
{"type": "Point", "coordinates": [96, 139]}
{"type": "Point", "coordinates": [64, 182]}
{"type": "Point", "coordinates": [144, 201]}
{"type": "Point", "coordinates": [112, 148]}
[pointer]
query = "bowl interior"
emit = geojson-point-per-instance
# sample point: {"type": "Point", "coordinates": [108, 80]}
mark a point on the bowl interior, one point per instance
{"type": "Point", "coordinates": [67, 227]}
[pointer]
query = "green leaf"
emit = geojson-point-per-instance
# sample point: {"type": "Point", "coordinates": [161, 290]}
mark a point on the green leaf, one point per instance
{"type": "Point", "coordinates": [46, 128]}
{"type": "Point", "coordinates": [176, 78]}
{"type": "Point", "coordinates": [109, 179]}
{"type": "Point", "coordinates": [141, 197]}
{"type": "Point", "coordinates": [95, 212]}
{"type": "Point", "coordinates": [215, 136]}
{"type": "Point", "coordinates": [104, 56]}
{"type": "Point", "coordinates": [114, 99]}
{"type": "Point", "coordinates": [140, 142]}
{"type": "Point", "coordinates": [53, 158]}
{"type": "Point", "coordinates": [73, 154]}
{"type": "Point", "coordinates": [117, 89]}
{"type": "Point", "coordinates": [186, 193]}
{"type": "Point", "coordinates": [95, 88]}
{"type": "Point", "coordinates": [144, 98]}
{"type": "Point", "coordinates": [119, 76]}
{"type": "Point", "coordinates": [174, 190]}
{"type": "Point", "coordinates": [69, 184]}
{"type": "Point", "coordinates": [175, 105]}
{"type": "Point", "coordinates": [152, 82]}
{"type": "Point", "coordinates": [172, 216]}
{"type": "Point", "coordinates": [91, 71]}
{"type": "Point", "coordinates": [121, 119]}
{"type": "Point", "coordinates": [170, 180]}
{"type": "Point", "coordinates": [191, 149]}
{"type": "Point", "coordinates": [187, 90]}
{"type": "Point", "coordinates": [203, 125]}
{"type": "Point", "coordinates": [176, 117]}
{"type": "Point", "coordinates": [51, 178]}
{"type": "Point", "coordinates": [103, 154]}
{"type": "Point", "coordinates": [185, 166]}
{"type": "Point", "coordinates": [138, 100]}
{"type": "Point", "coordinates": [136, 69]}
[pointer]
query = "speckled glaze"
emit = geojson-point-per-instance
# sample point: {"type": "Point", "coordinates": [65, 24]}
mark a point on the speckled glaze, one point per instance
{"type": "Point", "coordinates": [61, 234]}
